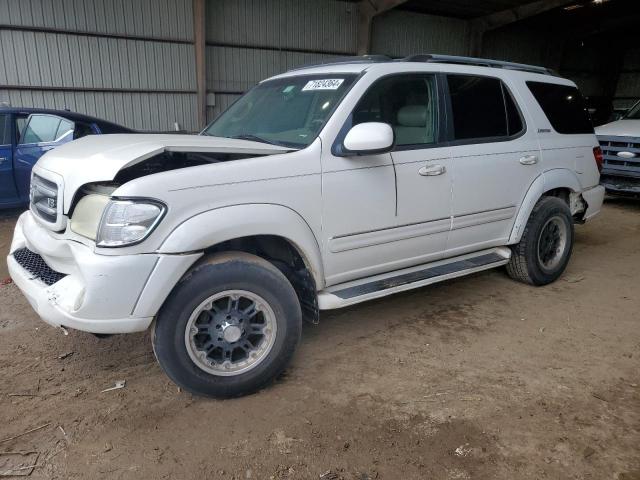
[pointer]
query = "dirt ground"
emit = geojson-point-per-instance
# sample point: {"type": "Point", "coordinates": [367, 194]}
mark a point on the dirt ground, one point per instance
{"type": "Point", "coordinates": [478, 378]}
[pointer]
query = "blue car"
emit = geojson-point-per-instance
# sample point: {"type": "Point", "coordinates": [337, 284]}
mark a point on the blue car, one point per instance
{"type": "Point", "coordinates": [28, 133]}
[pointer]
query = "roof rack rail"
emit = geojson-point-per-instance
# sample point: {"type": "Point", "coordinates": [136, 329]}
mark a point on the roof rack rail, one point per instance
{"type": "Point", "coordinates": [346, 59]}
{"type": "Point", "coordinates": [481, 62]}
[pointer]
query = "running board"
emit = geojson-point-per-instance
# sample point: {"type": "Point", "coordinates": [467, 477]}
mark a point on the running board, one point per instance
{"type": "Point", "coordinates": [378, 286]}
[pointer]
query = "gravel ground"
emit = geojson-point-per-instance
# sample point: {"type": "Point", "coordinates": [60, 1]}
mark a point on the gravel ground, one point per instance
{"type": "Point", "coordinates": [478, 378]}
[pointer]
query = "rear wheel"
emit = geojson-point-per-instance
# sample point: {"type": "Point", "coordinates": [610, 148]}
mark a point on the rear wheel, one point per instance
{"type": "Point", "coordinates": [547, 241]}
{"type": "Point", "coordinates": [229, 327]}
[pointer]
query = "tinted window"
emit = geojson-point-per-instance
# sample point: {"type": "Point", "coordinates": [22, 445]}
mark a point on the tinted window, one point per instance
{"type": "Point", "coordinates": [482, 107]}
{"type": "Point", "coordinates": [408, 103]}
{"type": "Point", "coordinates": [5, 131]}
{"type": "Point", "coordinates": [564, 107]}
{"type": "Point", "coordinates": [41, 128]}
{"type": "Point", "coordinates": [82, 130]}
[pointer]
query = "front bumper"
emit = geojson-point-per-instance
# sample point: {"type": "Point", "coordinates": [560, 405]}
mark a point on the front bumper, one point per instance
{"type": "Point", "coordinates": [621, 185]}
{"type": "Point", "coordinates": [99, 293]}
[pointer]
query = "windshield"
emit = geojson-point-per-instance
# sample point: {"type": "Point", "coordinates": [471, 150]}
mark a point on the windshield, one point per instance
{"type": "Point", "coordinates": [634, 112]}
{"type": "Point", "coordinates": [288, 111]}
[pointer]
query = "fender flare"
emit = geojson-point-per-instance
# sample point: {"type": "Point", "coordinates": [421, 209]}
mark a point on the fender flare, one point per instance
{"type": "Point", "coordinates": [227, 223]}
{"type": "Point", "coordinates": [549, 180]}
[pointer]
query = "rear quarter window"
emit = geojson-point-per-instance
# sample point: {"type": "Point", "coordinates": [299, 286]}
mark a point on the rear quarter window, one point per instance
{"type": "Point", "coordinates": [564, 107]}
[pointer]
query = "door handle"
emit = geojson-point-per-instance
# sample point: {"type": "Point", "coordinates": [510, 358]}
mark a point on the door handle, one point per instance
{"type": "Point", "coordinates": [529, 160]}
{"type": "Point", "coordinates": [432, 170]}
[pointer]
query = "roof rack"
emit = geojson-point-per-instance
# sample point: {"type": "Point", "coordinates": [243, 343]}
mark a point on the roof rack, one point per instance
{"type": "Point", "coordinates": [481, 62]}
{"type": "Point", "coordinates": [346, 59]}
{"type": "Point", "coordinates": [431, 58]}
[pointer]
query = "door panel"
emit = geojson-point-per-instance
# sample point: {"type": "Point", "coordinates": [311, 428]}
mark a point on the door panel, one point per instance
{"type": "Point", "coordinates": [359, 201]}
{"type": "Point", "coordinates": [424, 199]}
{"type": "Point", "coordinates": [489, 187]}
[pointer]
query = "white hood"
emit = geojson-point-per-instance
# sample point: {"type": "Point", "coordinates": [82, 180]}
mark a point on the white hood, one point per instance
{"type": "Point", "coordinates": [620, 128]}
{"type": "Point", "coordinates": [99, 158]}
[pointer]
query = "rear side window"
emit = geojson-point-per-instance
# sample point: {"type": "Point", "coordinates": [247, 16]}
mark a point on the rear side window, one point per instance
{"type": "Point", "coordinates": [564, 107]}
{"type": "Point", "coordinates": [482, 108]}
{"type": "Point", "coordinates": [45, 128]}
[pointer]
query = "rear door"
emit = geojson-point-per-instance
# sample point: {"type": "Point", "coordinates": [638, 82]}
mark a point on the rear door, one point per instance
{"type": "Point", "coordinates": [8, 191]}
{"type": "Point", "coordinates": [41, 133]}
{"type": "Point", "coordinates": [495, 159]}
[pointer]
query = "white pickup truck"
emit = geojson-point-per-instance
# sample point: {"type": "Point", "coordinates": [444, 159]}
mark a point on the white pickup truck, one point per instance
{"type": "Point", "coordinates": [320, 188]}
{"type": "Point", "coordinates": [620, 142]}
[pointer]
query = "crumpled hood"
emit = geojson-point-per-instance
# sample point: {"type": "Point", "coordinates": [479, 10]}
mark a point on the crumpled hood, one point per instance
{"type": "Point", "coordinates": [99, 158]}
{"type": "Point", "coordinates": [620, 128]}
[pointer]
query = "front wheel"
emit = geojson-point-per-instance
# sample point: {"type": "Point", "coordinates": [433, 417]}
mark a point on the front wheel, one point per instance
{"type": "Point", "coordinates": [545, 248]}
{"type": "Point", "coordinates": [229, 327]}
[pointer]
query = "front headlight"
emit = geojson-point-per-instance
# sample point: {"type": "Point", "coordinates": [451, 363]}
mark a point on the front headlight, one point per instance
{"type": "Point", "coordinates": [126, 222]}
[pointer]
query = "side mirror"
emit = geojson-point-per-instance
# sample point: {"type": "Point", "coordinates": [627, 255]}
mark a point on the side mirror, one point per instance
{"type": "Point", "coordinates": [369, 138]}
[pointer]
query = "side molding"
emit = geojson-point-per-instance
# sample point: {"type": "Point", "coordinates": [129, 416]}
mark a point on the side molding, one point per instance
{"type": "Point", "coordinates": [549, 180]}
{"type": "Point", "coordinates": [226, 223]}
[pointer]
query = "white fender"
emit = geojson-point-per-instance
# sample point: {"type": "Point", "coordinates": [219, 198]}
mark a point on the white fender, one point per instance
{"type": "Point", "coordinates": [549, 180]}
{"type": "Point", "coordinates": [215, 226]}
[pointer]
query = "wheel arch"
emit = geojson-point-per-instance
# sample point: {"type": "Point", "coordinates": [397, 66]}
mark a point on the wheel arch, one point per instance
{"type": "Point", "coordinates": [272, 232]}
{"type": "Point", "coordinates": [204, 231]}
{"type": "Point", "coordinates": [560, 182]}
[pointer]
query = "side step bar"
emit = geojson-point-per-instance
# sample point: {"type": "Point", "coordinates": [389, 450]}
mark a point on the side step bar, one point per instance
{"type": "Point", "coordinates": [357, 291]}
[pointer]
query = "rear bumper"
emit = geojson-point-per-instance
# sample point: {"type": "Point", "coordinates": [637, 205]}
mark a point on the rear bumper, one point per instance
{"type": "Point", "coordinates": [99, 293]}
{"type": "Point", "coordinates": [593, 197]}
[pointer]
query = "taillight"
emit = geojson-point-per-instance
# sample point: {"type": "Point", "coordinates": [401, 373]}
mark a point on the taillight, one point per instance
{"type": "Point", "coordinates": [597, 155]}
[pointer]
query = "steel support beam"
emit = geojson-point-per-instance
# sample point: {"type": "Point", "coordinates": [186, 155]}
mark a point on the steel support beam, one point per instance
{"type": "Point", "coordinates": [200, 45]}
{"type": "Point", "coordinates": [367, 10]}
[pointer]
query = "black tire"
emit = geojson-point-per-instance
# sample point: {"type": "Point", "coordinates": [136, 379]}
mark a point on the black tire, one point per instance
{"type": "Point", "coordinates": [526, 263]}
{"type": "Point", "coordinates": [221, 273]}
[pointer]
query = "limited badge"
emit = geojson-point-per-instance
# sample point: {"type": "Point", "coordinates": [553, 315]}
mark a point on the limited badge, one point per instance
{"type": "Point", "coordinates": [325, 84]}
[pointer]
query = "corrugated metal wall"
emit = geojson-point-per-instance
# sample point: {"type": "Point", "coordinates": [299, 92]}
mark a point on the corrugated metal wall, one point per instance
{"type": "Point", "coordinates": [518, 44]}
{"type": "Point", "coordinates": [399, 33]}
{"type": "Point", "coordinates": [249, 40]}
{"type": "Point", "coordinates": [628, 89]}
{"type": "Point", "coordinates": [131, 62]}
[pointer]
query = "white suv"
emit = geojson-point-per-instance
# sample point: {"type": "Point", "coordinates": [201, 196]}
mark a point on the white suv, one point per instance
{"type": "Point", "coordinates": [320, 188]}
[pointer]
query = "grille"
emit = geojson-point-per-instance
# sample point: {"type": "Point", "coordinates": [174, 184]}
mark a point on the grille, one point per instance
{"type": "Point", "coordinates": [44, 198]}
{"type": "Point", "coordinates": [36, 266]}
{"type": "Point", "coordinates": [621, 155]}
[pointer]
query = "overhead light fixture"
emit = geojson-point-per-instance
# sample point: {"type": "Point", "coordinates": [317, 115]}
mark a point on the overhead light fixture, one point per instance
{"type": "Point", "coordinates": [568, 8]}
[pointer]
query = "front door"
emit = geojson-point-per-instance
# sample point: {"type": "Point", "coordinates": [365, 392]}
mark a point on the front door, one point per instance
{"type": "Point", "coordinates": [495, 158]}
{"type": "Point", "coordinates": [386, 212]}
{"type": "Point", "coordinates": [8, 192]}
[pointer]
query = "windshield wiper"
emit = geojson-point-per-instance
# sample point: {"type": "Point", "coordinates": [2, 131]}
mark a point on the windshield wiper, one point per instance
{"type": "Point", "coordinates": [254, 138]}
